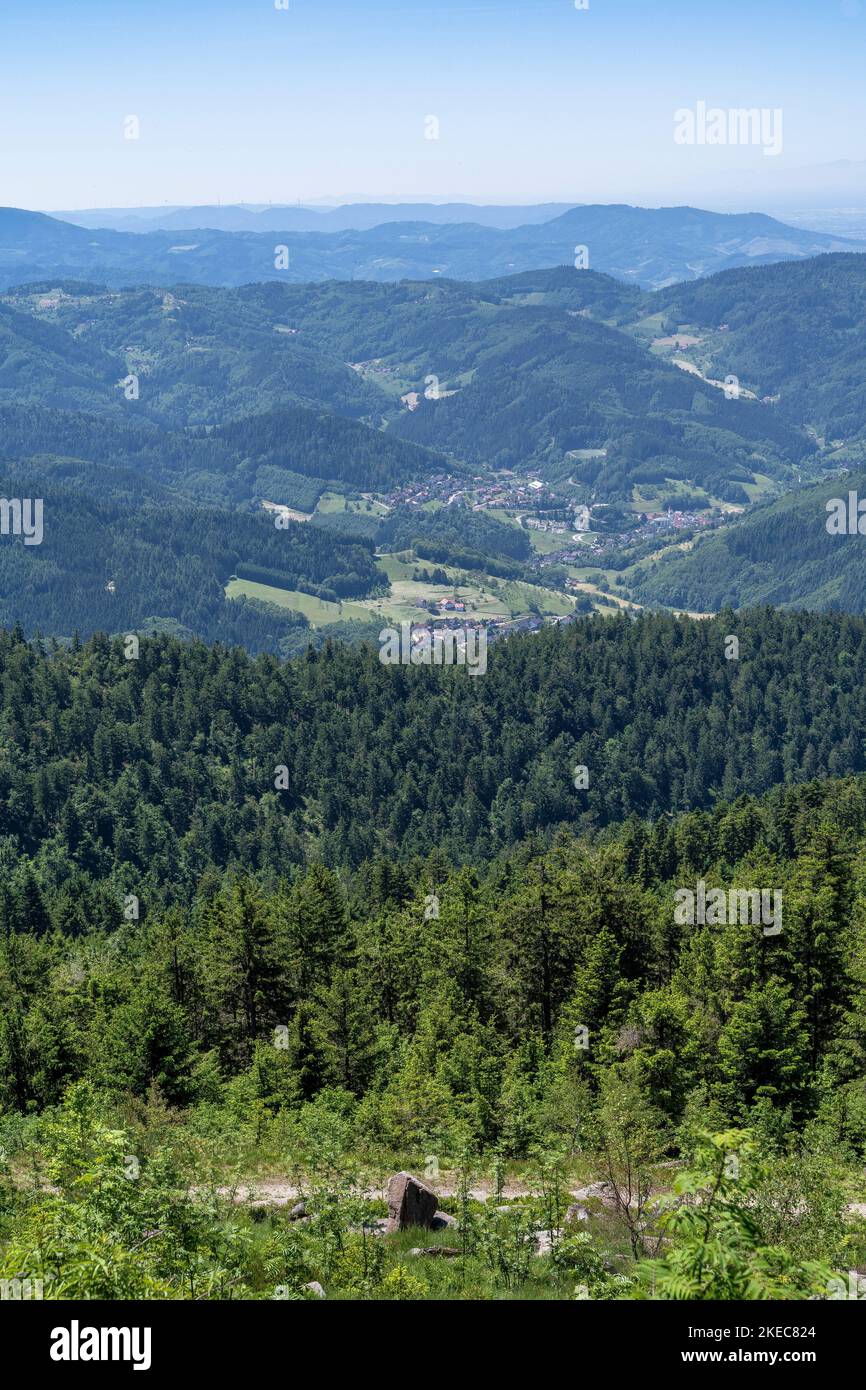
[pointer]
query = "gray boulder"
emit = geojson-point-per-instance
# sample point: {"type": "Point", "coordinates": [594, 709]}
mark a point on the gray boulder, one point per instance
{"type": "Point", "coordinates": [443, 1219]}
{"type": "Point", "coordinates": [410, 1203]}
{"type": "Point", "coordinates": [601, 1190]}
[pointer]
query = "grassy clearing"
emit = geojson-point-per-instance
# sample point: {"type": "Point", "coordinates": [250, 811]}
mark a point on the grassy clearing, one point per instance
{"type": "Point", "coordinates": [762, 487]}
{"type": "Point", "coordinates": [331, 502]}
{"type": "Point", "coordinates": [649, 327]}
{"type": "Point", "coordinates": [509, 518]}
{"type": "Point", "coordinates": [615, 596]}
{"type": "Point", "coordinates": [319, 611]}
{"type": "Point", "coordinates": [334, 502]}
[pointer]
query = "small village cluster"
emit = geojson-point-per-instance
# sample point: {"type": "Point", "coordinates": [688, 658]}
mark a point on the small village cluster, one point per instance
{"type": "Point", "coordinates": [479, 492]}
{"type": "Point", "coordinates": [495, 625]}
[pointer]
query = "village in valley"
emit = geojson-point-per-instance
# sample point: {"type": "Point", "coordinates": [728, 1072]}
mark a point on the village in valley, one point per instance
{"type": "Point", "coordinates": [580, 556]}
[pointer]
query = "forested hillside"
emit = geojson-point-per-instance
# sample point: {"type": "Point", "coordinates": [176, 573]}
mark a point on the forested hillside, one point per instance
{"type": "Point", "coordinates": [231, 464]}
{"type": "Point", "coordinates": [218, 999]}
{"type": "Point", "coordinates": [779, 553]}
{"type": "Point", "coordinates": [794, 332]}
{"type": "Point", "coordinates": [201, 355]}
{"type": "Point", "coordinates": [122, 554]}
{"type": "Point", "coordinates": [168, 763]}
{"type": "Point", "coordinates": [524, 376]}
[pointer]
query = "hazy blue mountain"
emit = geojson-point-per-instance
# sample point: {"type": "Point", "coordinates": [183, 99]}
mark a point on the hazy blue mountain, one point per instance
{"type": "Point", "coordinates": [646, 247]}
{"type": "Point", "coordinates": [294, 217]}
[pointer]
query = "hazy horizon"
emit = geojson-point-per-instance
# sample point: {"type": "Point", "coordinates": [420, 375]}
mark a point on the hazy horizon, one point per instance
{"type": "Point", "coordinates": [494, 199]}
{"type": "Point", "coordinates": [234, 103]}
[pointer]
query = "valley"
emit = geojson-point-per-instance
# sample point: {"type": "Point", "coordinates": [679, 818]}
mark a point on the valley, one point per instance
{"type": "Point", "coordinates": [561, 449]}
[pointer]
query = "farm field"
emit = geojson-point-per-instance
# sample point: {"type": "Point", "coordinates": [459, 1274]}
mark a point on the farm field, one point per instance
{"type": "Point", "coordinates": [484, 596]}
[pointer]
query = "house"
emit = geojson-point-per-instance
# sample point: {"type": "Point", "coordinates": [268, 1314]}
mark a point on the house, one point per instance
{"type": "Point", "coordinates": [529, 623]}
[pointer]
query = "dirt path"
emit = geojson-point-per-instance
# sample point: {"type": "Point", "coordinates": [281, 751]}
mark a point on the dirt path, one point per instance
{"type": "Point", "coordinates": [275, 1192]}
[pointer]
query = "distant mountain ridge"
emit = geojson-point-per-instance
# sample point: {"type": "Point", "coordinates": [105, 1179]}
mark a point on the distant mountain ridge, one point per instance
{"type": "Point", "coordinates": [647, 247]}
{"type": "Point", "coordinates": [358, 217]}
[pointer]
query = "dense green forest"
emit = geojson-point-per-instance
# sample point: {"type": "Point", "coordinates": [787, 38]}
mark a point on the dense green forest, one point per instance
{"type": "Point", "coordinates": [794, 331]}
{"type": "Point", "coordinates": [168, 762]}
{"type": "Point", "coordinates": [459, 530]}
{"type": "Point", "coordinates": [206, 465]}
{"type": "Point", "coordinates": [200, 357]}
{"type": "Point", "coordinates": [364, 458]}
{"type": "Point", "coordinates": [193, 995]}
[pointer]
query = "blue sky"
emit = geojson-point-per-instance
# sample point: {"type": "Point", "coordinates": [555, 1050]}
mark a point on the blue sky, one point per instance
{"type": "Point", "coordinates": [238, 100]}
